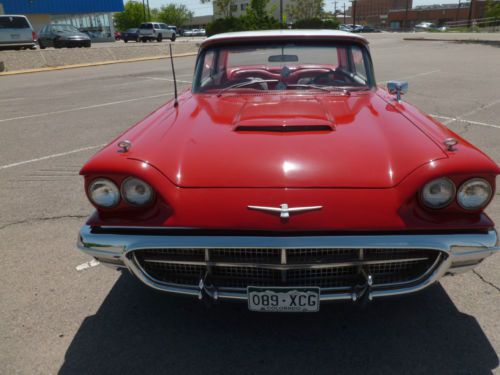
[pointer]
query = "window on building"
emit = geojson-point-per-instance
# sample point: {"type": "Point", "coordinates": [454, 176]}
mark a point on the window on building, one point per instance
{"type": "Point", "coordinates": [244, 7]}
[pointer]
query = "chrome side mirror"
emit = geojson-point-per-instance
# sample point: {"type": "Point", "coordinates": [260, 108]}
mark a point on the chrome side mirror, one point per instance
{"type": "Point", "coordinates": [397, 88]}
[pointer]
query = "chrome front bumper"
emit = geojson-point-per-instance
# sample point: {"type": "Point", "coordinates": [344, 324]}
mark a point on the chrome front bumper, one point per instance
{"type": "Point", "coordinates": [461, 252]}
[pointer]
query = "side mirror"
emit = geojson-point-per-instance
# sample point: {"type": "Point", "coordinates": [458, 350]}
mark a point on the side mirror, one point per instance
{"type": "Point", "coordinates": [397, 88]}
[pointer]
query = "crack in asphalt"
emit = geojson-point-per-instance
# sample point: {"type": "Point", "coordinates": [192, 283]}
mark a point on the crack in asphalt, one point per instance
{"type": "Point", "coordinates": [466, 128]}
{"type": "Point", "coordinates": [486, 281]}
{"type": "Point", "coordinates": [27, 221]}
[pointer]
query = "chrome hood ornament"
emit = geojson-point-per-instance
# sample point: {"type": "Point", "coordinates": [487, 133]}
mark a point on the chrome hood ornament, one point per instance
{"type": "Point", "coordinates": [284, 210]}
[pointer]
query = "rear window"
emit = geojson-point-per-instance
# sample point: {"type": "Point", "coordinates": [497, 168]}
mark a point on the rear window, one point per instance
{"type": "Point", "coordinates": [14, 23]}
{"type": "Point", "coordinates": [146, 26]}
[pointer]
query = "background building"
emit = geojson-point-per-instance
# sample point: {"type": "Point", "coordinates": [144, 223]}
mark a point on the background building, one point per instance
{"type": "Point", "coordinates": [95, 17]}
{"type": "Point", "coordinates": [239, 7]}
{"type": "Point", "coordinates": [437, 14]}
{"type": "Point", "coordinates": [375, 12]}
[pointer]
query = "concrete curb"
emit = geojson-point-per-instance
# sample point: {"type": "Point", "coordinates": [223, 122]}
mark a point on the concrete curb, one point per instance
{"type": "Point", "coordinates": [470, 41]}
{"type": "Point", "coordinates": [74, 66]}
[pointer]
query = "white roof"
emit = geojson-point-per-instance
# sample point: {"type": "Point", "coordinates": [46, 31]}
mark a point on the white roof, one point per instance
{"type": "Point", "coordinates": [284, 34]}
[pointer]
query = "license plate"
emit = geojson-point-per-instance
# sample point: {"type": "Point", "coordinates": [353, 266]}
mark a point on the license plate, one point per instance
{"type": "Point", "coordinates": [15, 36]}
{"type": "Point", "coordinates": [302, 299]}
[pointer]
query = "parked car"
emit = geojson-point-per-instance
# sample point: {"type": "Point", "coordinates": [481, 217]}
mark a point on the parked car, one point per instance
{"type": "Point", "coordinates": [131, 34]}
{"type": "Point", "coordinates": [149, 31]}
{"type": "Point", "coordinates": [199, 32]}
{"type": "Point", "coordinates": [60, 35]}
{"type": "Point", "coordinates": [286, 178]}
{"type": "Point", "coordinates": [424, 26]}
{"type": "Point", "coordinates": [368, 29]}
{"type": "Point", "coordinates": [16, 32]}
{"type": "Point", "coordinates": [187, 33]}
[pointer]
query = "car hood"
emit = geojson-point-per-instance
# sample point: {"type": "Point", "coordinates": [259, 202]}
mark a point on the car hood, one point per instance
{"type": "Point", "coordinates": [283, 141]}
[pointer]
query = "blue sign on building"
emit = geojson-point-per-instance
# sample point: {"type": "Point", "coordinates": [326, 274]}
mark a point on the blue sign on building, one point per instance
{"type": "Point", "coordinates": [61, 6]}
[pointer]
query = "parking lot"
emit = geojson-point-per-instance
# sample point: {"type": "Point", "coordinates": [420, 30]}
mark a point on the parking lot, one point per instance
{"type": "Point", "coordinates": [55, 318]}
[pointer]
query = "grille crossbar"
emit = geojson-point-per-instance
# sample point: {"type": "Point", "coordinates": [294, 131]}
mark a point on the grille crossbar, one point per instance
{"type": "Point", "coordinates": [323, 267]}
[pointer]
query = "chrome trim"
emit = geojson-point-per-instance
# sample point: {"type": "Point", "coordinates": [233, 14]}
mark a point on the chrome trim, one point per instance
{"type": "Point", "coordinates": [456, 248]}
{"type": "Point", "coordinates": [284, 210]}
{"type": "Point", "coordinates": [284, 266]}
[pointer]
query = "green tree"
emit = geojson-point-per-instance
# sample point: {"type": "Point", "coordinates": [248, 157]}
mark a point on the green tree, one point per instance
{"type": "Point", "coordinates": [492, 9]}
{"type": "Point", "coordinates": [259, 16]}
{"type": "Point", "coordinates": [132, 16]}
{"type": "Point", "coordinates": [305, 9]}
{"type": "Point", "coordinates": [174, 14]}
{"type": "Point", "coordinates": [223, 6]}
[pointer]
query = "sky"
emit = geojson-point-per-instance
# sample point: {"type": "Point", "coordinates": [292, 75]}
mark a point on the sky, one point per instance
{"type": "Point", "coordinates": [200, 9]}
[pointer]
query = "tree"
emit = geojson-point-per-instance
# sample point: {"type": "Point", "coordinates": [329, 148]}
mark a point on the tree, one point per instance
{"type": "Point", "coordinates": [259, 17]}
{"type": "Point", "coordinates": [174, 14]}
{"type": "Point", "coordinates": [492, 9]}
{"type": "Point", "coordinates": [223, 6]}
{"type": "Point", "coordinates": [132, 16]}
{"type": "Point", "coordinates": [305, 9]}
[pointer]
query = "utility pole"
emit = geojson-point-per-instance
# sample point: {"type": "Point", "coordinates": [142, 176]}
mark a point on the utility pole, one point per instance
{"type": "Point", "coordinates": [335, 8]}
{"type": "Point", "coordinates": [405, 25]}
{"type": "Point", "coordinates": [144, 11]}
{"type": "Point", "coordinates": [469, 23]}
{"type": "Point", "coordinates": [458, 10]}
{"type": "Point", "coordinates": [354, 11]}
{"type": "Point", "coordinates": [149, 12]}
{"type": "Point", "coordinates": [281, 14]}
{"type": "Point", "coordinates": [344, 13]}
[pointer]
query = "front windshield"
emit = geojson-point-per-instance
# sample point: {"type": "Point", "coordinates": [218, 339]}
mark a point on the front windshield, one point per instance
{"type": "Point", "coordinates": [64, 28]}
{"type": "Point", "coordinates": [283, 66]}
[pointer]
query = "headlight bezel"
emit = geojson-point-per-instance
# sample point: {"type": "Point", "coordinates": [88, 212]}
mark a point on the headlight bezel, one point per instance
{"type": "Point", "coordinates": [472, 180]}
{"type": "Point", "coordinates": [131, 203]}
{"type": "Point", "coordinates": [107, 181]}
{"type": "Point", "coordinates": [445, 204]}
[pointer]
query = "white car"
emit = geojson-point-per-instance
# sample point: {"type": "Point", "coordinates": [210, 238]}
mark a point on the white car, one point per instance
{"type": "Point", "coordinates": [16, 32]}
{"type": "Point", "coordinates": [156, 31]}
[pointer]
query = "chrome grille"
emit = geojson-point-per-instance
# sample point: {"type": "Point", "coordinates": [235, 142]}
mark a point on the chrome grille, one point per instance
{"type": "Point", "coordinates": [323, 267]}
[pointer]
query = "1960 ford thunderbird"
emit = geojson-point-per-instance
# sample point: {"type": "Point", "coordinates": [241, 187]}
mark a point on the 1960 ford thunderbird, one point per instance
{"type": "Point", "coordinates": [286, 178]}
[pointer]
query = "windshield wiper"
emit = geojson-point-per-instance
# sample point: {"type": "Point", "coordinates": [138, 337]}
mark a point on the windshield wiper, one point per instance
{"type": "Point", "coordinates": [324, 88]}
{"type": "Point", "coordinates": [246, 83]}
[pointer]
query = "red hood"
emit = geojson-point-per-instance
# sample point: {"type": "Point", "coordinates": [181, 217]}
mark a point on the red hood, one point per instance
{"type": "Point", "coordinates": [233, 141]}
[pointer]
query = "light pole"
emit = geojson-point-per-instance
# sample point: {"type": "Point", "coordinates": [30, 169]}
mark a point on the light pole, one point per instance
{"type": "Point", "coordinates": [144, 11]}
{"type": "Point", "coordinates": [281, 14]}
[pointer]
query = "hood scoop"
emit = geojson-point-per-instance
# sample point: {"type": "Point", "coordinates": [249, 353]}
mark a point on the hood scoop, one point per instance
{"type": "Point", "coordinates": [283, 128]}
{"type": "Point", "coordinates": [284, 116]}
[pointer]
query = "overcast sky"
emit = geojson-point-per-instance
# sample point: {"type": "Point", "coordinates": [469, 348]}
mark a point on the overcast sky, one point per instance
{"type": "Point", "coordinates": [203, 9]}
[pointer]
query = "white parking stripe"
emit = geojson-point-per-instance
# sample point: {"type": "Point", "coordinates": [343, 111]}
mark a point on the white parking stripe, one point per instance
{"type": "Point", "coordinates": [166, 79]}
{"type": "Point", "coordinates": [414, 76]}
{"type": "Point", "coordinates": [87, 265]}
{"type": "Point", "coordinates": [84, 108]}
{"type": "Point", "coordinates": [452, 119]}
{"type": "Point", "coordinates": [50, 156]}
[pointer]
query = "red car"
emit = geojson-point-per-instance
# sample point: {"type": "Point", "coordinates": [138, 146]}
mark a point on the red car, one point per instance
{"type": "Point", "coordinates": [285, 178]}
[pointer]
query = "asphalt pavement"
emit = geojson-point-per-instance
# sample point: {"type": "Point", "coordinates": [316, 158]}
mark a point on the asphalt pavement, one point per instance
{"type": "Point", "coordinates": [56, 319]}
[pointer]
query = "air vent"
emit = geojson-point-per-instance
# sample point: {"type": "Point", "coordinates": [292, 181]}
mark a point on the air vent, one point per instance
{"type": "Point", "coordinates": [283, 129]}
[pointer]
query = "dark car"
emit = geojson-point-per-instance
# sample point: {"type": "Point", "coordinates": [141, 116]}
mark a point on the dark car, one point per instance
{"type": "Point", "coordinates": [59, 36]}
{"type": "Point", "coordinates": [368, 29]}
{"type": "Point", "coordinates": [131, 34]}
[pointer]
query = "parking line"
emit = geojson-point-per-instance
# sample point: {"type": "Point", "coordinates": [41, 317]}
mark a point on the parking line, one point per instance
{"type": "Point", "coordinates": [449, 120]}
{"type": "Point", "coordinates": [84, 108]}
{"type": "Point", "coordinates": [167, 79]}
{"type": "Point", "coordinates": [415, 75]}
{"type": "Point", "coordinates": [50, 156]}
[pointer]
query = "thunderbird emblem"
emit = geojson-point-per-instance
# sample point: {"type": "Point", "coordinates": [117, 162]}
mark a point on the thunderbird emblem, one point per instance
{"type": "Point", "coordinates": [284, 210]}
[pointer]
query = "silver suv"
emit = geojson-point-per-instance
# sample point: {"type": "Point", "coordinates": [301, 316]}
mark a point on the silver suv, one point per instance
{"type": "Point", "coordinates": [156, 31]}
{"type": "Point", "coordinates": [16, 32]}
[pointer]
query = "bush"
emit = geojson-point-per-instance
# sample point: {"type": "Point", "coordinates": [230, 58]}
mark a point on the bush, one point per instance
{"type": "Point", "coordinates": [316, 23]}
{"type": "Point", "coordinates": [243, 23]}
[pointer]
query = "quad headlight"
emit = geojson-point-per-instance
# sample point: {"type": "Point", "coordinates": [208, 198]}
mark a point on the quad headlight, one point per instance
{"type": "Point", "coordinates": [104, 193]}
{"type": "Point", "coordinates": [136, 192]}
{"type": "Point", "coordinates": [438, 193]}
{"type": "Point", "coordinates": [474, 194]}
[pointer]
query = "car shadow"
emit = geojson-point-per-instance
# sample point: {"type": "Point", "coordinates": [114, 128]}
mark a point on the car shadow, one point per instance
{"type": "Point", "coordinates": [138, 330]}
